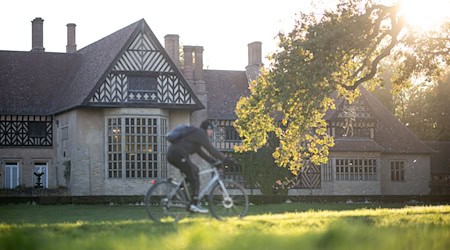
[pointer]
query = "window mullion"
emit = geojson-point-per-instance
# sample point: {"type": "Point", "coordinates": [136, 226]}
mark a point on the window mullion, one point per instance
{"type": "Point", "coordinates": [123, 145]}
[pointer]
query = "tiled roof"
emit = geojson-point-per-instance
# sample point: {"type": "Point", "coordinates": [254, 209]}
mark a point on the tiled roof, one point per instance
{"type": "Point", "coordinates": [224, 89]}
{"type": "Point", "coordinates": [95, 60]}
{"type": "Point", "coordinates": [43, 83]}
{"type": "Point", "coordinates": [390, 134]}
{"type": "Point", "coordinates": [29, 80]}
{"type": "Point", "coordinates": [36, 83]}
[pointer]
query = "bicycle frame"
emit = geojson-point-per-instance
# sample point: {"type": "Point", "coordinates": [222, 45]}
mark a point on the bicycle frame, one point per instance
{"type": "Point", "coordinates": [205, 191]}
{"type": "Point", "coordinates": [215, 179]}
{"type": "Point", "coordinates": [171, 199]}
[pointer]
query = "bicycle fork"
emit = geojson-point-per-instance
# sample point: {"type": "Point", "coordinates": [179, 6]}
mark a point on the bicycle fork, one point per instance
{"type": "Point", "coordinates": [227, 201]}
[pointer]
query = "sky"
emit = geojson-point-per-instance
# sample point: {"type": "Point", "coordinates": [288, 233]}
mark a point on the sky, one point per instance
{"type": "Point", "coordinates": [223, 28]}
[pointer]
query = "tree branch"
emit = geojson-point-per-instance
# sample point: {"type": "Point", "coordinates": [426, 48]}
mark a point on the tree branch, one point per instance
{"type": "Point", "coordinates": [395, 30]}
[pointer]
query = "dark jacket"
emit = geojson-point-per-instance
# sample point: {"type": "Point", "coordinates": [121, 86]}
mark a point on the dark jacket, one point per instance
{"type": "Point", "coordinates": [196, 141]}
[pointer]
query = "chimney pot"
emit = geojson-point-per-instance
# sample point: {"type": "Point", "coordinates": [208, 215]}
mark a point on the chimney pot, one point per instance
{"type": "Point", "coordinates": [37, 35]}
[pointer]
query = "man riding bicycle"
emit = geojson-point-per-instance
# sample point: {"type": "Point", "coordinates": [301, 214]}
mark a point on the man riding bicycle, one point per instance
{"type": "Point", "coordinates": [188, 140]}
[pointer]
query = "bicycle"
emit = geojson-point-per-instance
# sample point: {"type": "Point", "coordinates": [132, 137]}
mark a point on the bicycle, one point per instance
{"type": "Point", "coordinates": [169, 199]}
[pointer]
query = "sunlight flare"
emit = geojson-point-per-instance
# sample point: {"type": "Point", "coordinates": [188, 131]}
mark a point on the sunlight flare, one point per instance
{"type": "Point", "coordinates": [425, 15]}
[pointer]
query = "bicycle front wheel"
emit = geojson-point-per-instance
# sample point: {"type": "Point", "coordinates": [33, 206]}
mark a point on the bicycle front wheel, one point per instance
{"type": "Point", "coordinates": [165, 202]}
{"type": "Point", "coordinates": [235, 204]}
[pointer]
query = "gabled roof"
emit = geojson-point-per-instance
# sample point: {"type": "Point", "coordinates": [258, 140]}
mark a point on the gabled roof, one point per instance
{"type": "Point", "coordinates": [224, 89]}
{"type": "Point", "coordinates": [390, 134]}
{"type": "Point", "coordinates": [43, 83]}
{"type": "Point", "coordinates": [95, 60]}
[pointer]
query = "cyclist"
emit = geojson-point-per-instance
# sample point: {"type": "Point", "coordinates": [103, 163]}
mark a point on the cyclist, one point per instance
{"type": "Point", "coordinates": [189, 140]}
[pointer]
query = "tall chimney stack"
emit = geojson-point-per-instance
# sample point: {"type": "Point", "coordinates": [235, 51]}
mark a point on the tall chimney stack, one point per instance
{"type": "Point", "coordinates": [37, 35]}
{"type": "Point", "coordinates": [71, 41]}
{"type": "Point", "coordinates": [172, 46]}
{"type": "Point", "coordinates": [188, 69]}
{"type": "Point", "coordinates": [254, 60]}
{"type": "Point", "coordinates": [198, 63]}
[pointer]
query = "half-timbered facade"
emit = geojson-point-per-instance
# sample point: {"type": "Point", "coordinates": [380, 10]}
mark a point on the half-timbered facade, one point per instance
{"type": "Point", "coordinates": [94, 120]}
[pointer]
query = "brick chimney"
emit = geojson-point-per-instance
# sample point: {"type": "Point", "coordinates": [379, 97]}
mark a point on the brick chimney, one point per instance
{"type": "Point", "coordinates": [172, 46]}
{"type": "Point", "coordinates": [71, 45]}
{"type": "Point", "coordinates": [37, 35]}
{"type": "Point", "coordinates": [198, 63]}
{"type": "Point", "coordinates": [193, 63]}
{"type": "Point", "coordinates": [254, 60]}
{"type": "Point", "coordinates": [188, 69]}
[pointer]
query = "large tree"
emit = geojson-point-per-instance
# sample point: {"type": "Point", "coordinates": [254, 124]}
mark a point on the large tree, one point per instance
{"type": "Point", "coordinates": [334, 52]}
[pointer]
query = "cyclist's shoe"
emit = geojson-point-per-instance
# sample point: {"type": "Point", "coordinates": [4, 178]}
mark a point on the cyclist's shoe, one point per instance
{"type": "Point", "coordinates": [198, 209]}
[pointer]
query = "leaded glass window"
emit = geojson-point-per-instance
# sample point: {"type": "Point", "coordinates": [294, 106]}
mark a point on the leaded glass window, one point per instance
{"type": "Point", "coordinates": [397, 171]}
{"type": "Point", "coordinates": [356, 169]}
{"type": "Point", "coordinates": [136, 147]}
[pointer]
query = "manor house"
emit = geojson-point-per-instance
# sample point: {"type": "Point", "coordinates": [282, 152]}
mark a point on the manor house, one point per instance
{"type": "Point", "coordinates": [94, 120]}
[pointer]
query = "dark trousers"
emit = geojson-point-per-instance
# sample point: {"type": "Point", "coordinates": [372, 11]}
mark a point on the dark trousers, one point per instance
{"type": "Point", "coordinates": [185, 165]}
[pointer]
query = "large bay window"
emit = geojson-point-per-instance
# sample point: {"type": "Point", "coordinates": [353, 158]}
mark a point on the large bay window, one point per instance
{"type": "Point", "coordinates": [356, 169]}
{"type": "Point", "coordinates": [136, 147]}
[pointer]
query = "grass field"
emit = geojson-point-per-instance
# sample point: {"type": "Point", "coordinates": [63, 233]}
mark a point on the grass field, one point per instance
{"type": "Point", "coordinates": [282, 226]}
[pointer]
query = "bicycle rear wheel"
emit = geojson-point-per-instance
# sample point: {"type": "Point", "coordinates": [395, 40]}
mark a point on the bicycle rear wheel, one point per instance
{"type": "Point", "coordinates": [161, 206]}
{"type": "Point", "coordinates": [235, 205]}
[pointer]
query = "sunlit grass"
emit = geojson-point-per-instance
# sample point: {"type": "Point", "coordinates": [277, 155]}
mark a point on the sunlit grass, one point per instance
{"type": "Point", "coordinates": [324, 227]}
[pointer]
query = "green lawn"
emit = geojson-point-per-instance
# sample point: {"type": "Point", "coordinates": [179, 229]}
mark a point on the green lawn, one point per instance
{"type": "Point", "coordinates": [283, 226]}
